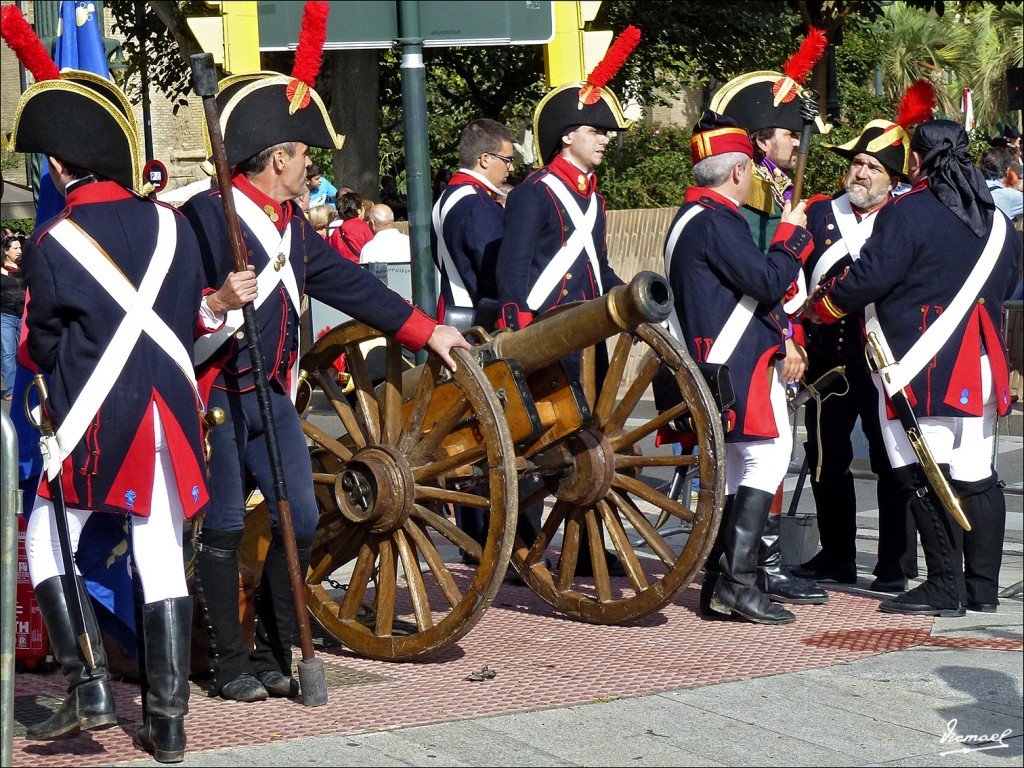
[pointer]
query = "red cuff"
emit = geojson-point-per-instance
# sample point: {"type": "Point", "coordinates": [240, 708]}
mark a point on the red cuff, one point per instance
{"type": "Point", "coordinates": [416, 331]}
{"type": "Point", "coordinates": [794, 239]}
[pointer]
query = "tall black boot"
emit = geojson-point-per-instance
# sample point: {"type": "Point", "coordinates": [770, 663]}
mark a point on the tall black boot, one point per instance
{"type": "Point", "coordinates": [90, 701]}
{"type": "Point", "coordinates": [777, 582]}
{"type": "Point", "coordinates": [942, 593]}
{"type": "Point", "coordinates": [167, 637]}
{"type": "Point", "coordinates": [276, 626]}
{"type": "Point", "coordinates": [711, 572]}
{"type": "Point", "coordinates": [735, 592]}
{"type": "Point", "coordinates": [897, 538]}
{"type": "Point", "coordinates": [985, 506]}
{"type": "Point", "coordinates": [216, 583]}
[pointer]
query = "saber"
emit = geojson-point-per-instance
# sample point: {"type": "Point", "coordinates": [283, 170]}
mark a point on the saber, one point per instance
{"type": "Point", "coordinates": [816, 388]}
{"type": "Point", "coordinates": [901, 404]}
{"type": "Point", "coordinates": [72, 586]}
{"type": "Point", "coordinates": [312, 679]}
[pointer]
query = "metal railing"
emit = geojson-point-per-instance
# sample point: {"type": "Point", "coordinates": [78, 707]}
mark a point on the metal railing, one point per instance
{"type": "Point", "coordinates": [10, 508]}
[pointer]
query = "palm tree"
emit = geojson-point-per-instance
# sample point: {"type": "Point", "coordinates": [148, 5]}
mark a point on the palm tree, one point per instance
{"type": "Point", "coordinates": [998, 30]}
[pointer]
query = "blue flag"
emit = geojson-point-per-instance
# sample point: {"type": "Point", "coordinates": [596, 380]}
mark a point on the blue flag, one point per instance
{"type": "Point", "coordinates": [104, 545]}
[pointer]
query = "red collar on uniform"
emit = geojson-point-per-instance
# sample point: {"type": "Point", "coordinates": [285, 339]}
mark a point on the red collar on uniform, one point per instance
{"type": "Point", "coordinates": [278, 213]}
{"type": "Point", "coordinates": [465, 178]}
{"type": "Point", "coordinates": [573, 177]}
{"type": "Point", "coordinates": [696, 193]}
{"type": "Point", "coordinates": [98, 192]}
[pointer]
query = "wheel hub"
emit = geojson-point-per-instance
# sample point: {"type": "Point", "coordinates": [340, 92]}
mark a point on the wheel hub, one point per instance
{"type": "Point", "coordinates": [591, 467]}
{"type": "Point", "coordinates": [376, 488]}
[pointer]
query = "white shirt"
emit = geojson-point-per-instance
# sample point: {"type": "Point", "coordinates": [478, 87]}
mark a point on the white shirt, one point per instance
{"type": "Point", "coordinates": [387, 245]}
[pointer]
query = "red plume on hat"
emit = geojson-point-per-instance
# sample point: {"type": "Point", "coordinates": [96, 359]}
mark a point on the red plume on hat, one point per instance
{"type": "Point", "coordinates": [799, 65]}
{"type": "Point", "coordinates": [26, 45]}
{"type": "Point", "coordinates": [618, 52]}
{"type": "Point", "coordinates": [917, 104]}
{"type": "Point", "coordinates": [308, 53]}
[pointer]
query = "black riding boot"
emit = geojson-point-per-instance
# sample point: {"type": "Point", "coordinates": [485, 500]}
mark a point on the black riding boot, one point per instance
{"type": "Point", "coordinates": [90, 702]}
{"type": "Point", "coordinates": [942, 593]}
{"type": "Point", "coordinates": [778, 583]}
{"type": "Point", "coordinates": [711, 572]}
{"type": "Point", "coordinates": [167, 638]}
{"type": "Point", "coordinates": [985, 506]}
{"type": "Point", "coordinates": [897, 538]}
{"type": "Point", "coordinates": [276, 625]}
{"type": "Point", "coordinates": [735, 592]}
{"type": "Point", "coordinates": [217, 586]}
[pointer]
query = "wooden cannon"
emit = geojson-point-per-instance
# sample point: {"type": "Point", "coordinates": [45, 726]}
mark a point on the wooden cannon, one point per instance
{"type": "Point", "coordinates": [386, 578]}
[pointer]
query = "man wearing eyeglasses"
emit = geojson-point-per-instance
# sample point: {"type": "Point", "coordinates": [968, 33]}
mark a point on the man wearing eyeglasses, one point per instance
{"type": "Point", "coordinates": [467, 222]}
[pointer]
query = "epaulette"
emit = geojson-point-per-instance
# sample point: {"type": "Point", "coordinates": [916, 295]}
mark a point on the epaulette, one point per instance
{"type": "Point", "coordinates": [761, 198]}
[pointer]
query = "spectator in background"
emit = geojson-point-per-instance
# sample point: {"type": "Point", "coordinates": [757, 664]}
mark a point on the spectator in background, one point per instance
{"type": "Point", "coordinates": [390, 196]}
{"type": "Point", "coordinates": [12, 306]}
{"type": "Point", "coordinates": [302, 201]}
{"type": "Point", "coordinates": [321, 191]}
{"type": "Point", "coordinates": [320, 217]}
{"type": "Point", "coordinates": [352, 233]}
{"type": "Point", "coordinates": [388, 244]}
{"type": "Point", "coordinates": [1002, 172]}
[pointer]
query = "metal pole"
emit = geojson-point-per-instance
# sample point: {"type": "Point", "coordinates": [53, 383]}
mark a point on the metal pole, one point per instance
{"type": "Point", "coordinates": [417, 157]}
{"type": "Point", "coordinates": [147, 119]}
{"type": "Point", "coordinates": [10, 508]}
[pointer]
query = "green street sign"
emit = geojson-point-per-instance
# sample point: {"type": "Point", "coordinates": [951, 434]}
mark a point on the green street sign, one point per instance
{"type": "Point", "coordinates": [374, 23]}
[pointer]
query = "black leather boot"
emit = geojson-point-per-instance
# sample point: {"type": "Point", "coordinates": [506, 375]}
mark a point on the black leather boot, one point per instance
{"type": "Point", "coordinates": [735, 592]}
{"type": "Point", "coordinates": [777, 582]}
{"type": "Point", "coordinates": [711, 572]}
{"type": "Point", "coordinates": [276, 626]}
{"type": "Point", "coordinates": [167, 638]}
{"type": "Point", "coordinates": [985, 506]}
{"type": "Point", "coordinates": [216, 584]}
{"type": "Point", "coordinates": [897, 536]}
{"type": "Point", "coordinates": [942, 593]}
{"type": "Point", "coordinates": [90, 701]}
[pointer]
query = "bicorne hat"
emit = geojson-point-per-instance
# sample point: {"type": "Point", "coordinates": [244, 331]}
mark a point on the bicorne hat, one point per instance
{"type": "Point", "coordinates": [75, 116]}
{"type": "Point", "coordinates": [583, 103]}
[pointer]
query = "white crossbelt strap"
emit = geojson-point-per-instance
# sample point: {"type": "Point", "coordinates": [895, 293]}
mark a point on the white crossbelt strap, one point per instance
{"type": "Point", "coordinates": [139, 317]}
{"type": "Point", "coordinates": [278, 249]}
{"type": "Point", "coordinates": [900, 373]}
{"type": "Point", "coordinates": [582, 239]}
{"type": "Point", "coordinates": [438, 215]}
{"type": "Point", "coordinates": [670, 248]}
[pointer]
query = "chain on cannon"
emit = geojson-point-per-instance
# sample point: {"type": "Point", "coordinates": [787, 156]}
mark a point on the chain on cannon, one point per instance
{"type": "Point", "coordinates": [393, 455]}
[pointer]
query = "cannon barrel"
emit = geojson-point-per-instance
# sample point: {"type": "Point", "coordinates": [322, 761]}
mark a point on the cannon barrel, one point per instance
{"type": "Point", "coordinates": [647, 298]}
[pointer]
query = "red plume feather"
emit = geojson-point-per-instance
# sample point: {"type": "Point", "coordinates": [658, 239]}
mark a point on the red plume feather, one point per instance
{"type": "Point", "coordinates": [26, 45]}
{"type": "Point", "coordinates": [616, 56]}
{"type": "Point", "coordinates": [917, 104]}
{"type": "Point", "coordinates": [312, 36]}
{"type": "Point", "coordinates": [802, 62]}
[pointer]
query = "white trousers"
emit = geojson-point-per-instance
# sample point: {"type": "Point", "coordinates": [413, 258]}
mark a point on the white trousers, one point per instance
{"type": "Point", "coordinates": [156, 541]}
{"type": "Point", "coordinates": [762, 464]}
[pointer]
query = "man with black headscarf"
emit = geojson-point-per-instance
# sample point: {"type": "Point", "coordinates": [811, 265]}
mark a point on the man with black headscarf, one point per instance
{"type": "Point", "coordinates": [933, 278]}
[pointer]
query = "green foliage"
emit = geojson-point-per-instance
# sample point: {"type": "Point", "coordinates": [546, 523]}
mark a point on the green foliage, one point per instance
{"type": "Point", "coordinates": [648, 167]}
{"type": "Point", "coordinates": [19, 226]}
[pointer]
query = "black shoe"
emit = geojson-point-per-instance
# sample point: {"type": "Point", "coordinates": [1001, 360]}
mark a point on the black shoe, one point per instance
{"type": "Point", "coordinates": [889, 585]}
{"type": "Point", "coordinates": [244, 688]}
{"type": "Point", "coordinates": [279, 684]}
{"type": "Point", "coordinates": [782, 586]}
{"type": "Point", "coordinates": [585, 568]}
{"type": "Point", "coordinates": [983, 607]}
{"type": "Point", "coordinates": [843, 574]}
{"type": "Point", "coordinates": [919, 609]}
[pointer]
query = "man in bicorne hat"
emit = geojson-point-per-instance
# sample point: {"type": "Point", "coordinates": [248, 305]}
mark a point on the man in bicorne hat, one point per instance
{"type": "Point", "coordinates": [115, 285]}
{"type": "Point", "coordinates": [269, 121]}
{"type": "Point", "coordinates": [879, 162]}
{"type": "Point", "coordinates": [728, 311]}
{"type": "Point", "coordinates": [933, 278]}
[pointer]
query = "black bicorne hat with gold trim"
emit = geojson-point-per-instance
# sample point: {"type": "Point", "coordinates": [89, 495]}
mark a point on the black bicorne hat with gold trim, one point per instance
{"type": "Point", "coordinates": [583, 103]}
{"type": "Point", "coordinates": [758, 100]}
{"type": "Point", "coordinates": [888, 142]}
{"type": "Point", "coordinates": [262, 109]}
{"type": "Point", "coordinates": [75, 116]}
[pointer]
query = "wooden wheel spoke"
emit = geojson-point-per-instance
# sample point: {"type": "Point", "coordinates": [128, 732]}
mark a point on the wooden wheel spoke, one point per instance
{"type": "Point", "coordinates": [643, 526]}
{"type": "Point", "coordinates": [428, 472]}
{"type": "Point", "coordinates": [365, 399]}
{"type": "Point", "coordinates": [622, 545]}
{"type": "Point", "coordinates": [334, 555]}
{"type": "Point", "coordinates": [595, 539]}
{"type": "Point", "coordinates": [649, 427]}
{"type": "Point", "coordinates": [387, 585]}
{"type": "Point", "coordinates": [417, 531]}
{"type": "Point", "coordinates": [448, 529]}
{"type": "Point", "coordinates": [341, 406]}
{"type": "Point", "coordinates": [642, 490]}
{"type": "Point", "coordinates": [362, 573]}
{"type": "Point", "coordinates": [613, 379]}
{"type": "Point", "coordinates": [412, 432]}
{"type": "Point", "coordinates": [641, 381]}
{"type": "Point", "coordinates": [439, 430]}
{"type": "Point", "coordinates": [588, 375]}
{"type": "Point", "coordinates": [570, 553]}
{"type": "Point", "coordinates": [546, 535]}
{"type": "Point", "coordinates": [446, 495]}
{"type": "Point", "coordinates": [414, 580]}
{"type": "Point", "coordinates": [325, 441]}
{"type": "Point", "coordinates": [391, 395]}
{"type": "Point", "coordinates": [642, 462]}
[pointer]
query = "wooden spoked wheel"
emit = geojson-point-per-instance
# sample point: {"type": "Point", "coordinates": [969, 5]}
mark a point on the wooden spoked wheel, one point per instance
{"type": "Point", "coordinates": [386, 577]}
{"type": "Point", "coordinates": [600, 490]}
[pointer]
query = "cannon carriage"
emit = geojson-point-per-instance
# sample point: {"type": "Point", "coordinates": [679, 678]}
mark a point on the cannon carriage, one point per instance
{"type": "Point", "coordinates": [386, 577]}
